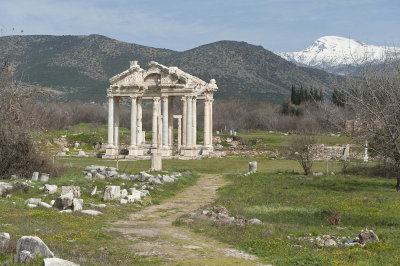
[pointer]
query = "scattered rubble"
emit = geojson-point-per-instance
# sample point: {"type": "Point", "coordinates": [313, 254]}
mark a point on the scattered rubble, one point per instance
{"type": "Point", "coordinates": [221, 214]}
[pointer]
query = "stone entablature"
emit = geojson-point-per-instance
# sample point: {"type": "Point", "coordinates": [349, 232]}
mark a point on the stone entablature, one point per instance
{"type": "Point", "coordinates": [160, 84]}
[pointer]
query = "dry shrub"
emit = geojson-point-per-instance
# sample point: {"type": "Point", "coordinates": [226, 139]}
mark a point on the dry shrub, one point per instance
{"type": "Point", "coordinates": [18, 152]}
{"type": "Point", "coordinates": [334, 218]}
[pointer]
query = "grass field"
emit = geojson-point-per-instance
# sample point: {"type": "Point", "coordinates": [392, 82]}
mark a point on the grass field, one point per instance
{"type": "Point", "coordinates": [293, 205]}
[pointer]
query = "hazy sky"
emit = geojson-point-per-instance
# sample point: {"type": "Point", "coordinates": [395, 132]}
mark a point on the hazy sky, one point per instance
{"type": "Point", "coordinates": [277, 25]}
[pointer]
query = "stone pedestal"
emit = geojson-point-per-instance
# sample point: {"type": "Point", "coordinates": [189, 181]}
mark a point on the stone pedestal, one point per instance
{"type": "Point", "coordinates": [111, 152]}
{"type": "Point", "coordinates": [156, 162]}
{"type": "Point", "coordinates": [134, 151]}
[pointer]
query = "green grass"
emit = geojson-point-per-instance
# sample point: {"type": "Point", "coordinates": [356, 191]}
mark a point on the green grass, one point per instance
{"type": "Point", "coordinates": [79, 237]}
{"type": "Point", "coordinates": [262, 140]}
{"type": "Point", "coordinates": [293, 205]}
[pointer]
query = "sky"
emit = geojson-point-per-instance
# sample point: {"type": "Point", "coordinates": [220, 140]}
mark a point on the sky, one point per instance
{"type": "Point", "coordinates": [277, 25]}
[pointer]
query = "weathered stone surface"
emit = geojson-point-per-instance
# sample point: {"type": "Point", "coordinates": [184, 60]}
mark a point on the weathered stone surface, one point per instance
{"type": "Point", "coordinates": [35, 176]}
{"type": "Point", "coordinates": [64, 201]}
{"type": "Point", "coordinates": [31, 206]}
{"type": "Point", "coordinates": [44, 204]}
{"type": "Point", "coordinates": [254, 221]}
{"type": "Point", "coordinates": [136, 195]}
{"type": "Point", "coordinates": [77, 204]}
{"type": "Point", "coordinates": [124, 193]}
{"type": "Point", "coordinates": [34, 201]}
{"type": "Point", "coordinates": [91, 212]}
{"type": "Point", "coordinates": [143, 176]}
{"type": "Point", "coordinates": [367, 236]}
{"type": "Point", "coordinates": [88, 176]}
{"type": "Point", "coordinates": [4, 241]}
{"type": "Point", "coordinates": [167, 179]}
{"type": "Point", "coordinates": [25, 257]}
{"type": "Point", "coordinates": [51, 189]}
{"type": "Point", "coordinates": [58, 262]}
{"type": "Point", "coordinates": [100, 176]}
{"type": "Point", "coordinates": [253, 167]}
{"type": "Point", "coordinates": [82, 154]}
{"type": "Point", "coordinates": [76, 191]}
{"type": "Point", "coordinates": [34, 245]}
{"type": "Point", "coordinates": [123, 201]}
{"type": "Point", "coordinates": [112, 193]}
{"type": "Point", "coordinates": [44, 177]}
{"type": "Point", "coordinates": [130, 198]}
{"type": "Point", "coordinates": [155, 181]}
{"type": "Point", "coordinates": [330, 243]}
{"type": "Point", "coordinates": [66, 211]}
{"type": "Point", "coordinates": [94, 191]}
{"type": "Point", "coordinates": [5, 188]}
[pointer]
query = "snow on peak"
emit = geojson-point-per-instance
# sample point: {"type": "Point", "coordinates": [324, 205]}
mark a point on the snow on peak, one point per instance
{"type": "Point", "coordinates": [333, 51]}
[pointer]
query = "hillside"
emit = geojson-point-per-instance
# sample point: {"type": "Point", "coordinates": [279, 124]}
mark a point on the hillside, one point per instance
{"type": "Point", "coordinates": [79, 66]}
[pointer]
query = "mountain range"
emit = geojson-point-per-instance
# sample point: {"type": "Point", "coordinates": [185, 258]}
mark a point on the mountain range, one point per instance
{"type": "Point", "coordinates": [337, 54]}
{"type": "Point", "coordinates": [78, 67]}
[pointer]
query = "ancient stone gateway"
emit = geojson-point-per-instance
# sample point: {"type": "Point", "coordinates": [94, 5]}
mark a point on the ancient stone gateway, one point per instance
{"type": "Point", "coordinates": [160, 84]}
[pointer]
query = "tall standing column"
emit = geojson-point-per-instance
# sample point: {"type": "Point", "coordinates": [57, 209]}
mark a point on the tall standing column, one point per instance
{"type": "Point", "coordinates": [179, 133]}
{"type": "Point", "coordinates": [194, 121]}
{"type": "Point", "coordinates": [184, 115]}
{"type": "Point", "coordinates": [133, 122]}
{"type": "Point", "coordinates": [206, 122]}
{"type": "Point", "coordinates": [156, 101]}
{"type": "Point", "coordinates": [110, 121]}
{"type": "Point", "coordinates": [116, 122]}
{"type": "Point", "coordinates": [165, 121]}
{"type": "Point", "coordinates": [189, 118]}
{"type": "Point", "coordinates": [211, 122]}
{"type": "Point", "coordinates": [171, 122]}
{"type": "Point", "coordinates": [139, 122]}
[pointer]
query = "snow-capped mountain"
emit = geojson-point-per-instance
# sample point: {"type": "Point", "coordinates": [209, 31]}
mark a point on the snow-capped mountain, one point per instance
{"type": "Point", "coordinates": [333, 53]}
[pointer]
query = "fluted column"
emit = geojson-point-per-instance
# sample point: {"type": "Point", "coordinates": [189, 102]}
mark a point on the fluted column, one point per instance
{"type": "Point", "coordinates": [156, 101]}
{"type": "Point", "coordinates": [133, 121]}
{"type": "Point", "coordinates": [139, 122]}
{"type": "Point", "coordinates": [171, 122]}
{"type": "Point", "coordinates": [189, 119]}
{"type": "Point", "coordinates": [116, 122]}
{"type": "Point", "coordinates": [194, 121]}
{"type": "Point", "coordinates": [211, 122]}
{"type": "Point", "coordinates": [165, 121]}
{"type": "Point", "coordinates": [206, 122]}
{"type": "Point", "coordinates": [110, 121]}
{"type": "Point", "coordinates": [184, 117]}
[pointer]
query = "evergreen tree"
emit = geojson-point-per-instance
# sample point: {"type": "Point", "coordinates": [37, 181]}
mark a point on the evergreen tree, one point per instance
{"type": "Point", "coordinates": [338, 98]}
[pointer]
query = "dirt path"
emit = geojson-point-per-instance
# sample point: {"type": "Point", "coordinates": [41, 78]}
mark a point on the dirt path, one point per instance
{"type": "Point", "coordinates": [152, 233]}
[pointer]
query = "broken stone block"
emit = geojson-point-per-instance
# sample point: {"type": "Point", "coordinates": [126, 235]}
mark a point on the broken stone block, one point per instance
{"type": "Point", "coordinates": [76, 191]}
{"type": "Point", "coordinates": [112, 193]}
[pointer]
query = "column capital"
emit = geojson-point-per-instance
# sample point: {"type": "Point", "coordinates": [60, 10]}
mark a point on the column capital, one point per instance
{"type": "Point", "coordinates": [110, 96]}
{"type": "Point", "coordinates": [156, 99]}
{"type": "Point", "coordinates": [134, 97]}
{"type": "Point", "coordinates": [164, 98]}
{"type": "Point", "coordinates": [194, 98]}
{"type": "Point", "coordinates": [183, 98]}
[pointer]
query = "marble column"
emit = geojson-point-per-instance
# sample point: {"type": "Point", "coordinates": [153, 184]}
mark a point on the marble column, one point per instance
{"type": "Point", "coordinates": [133, 122]}
{"type": "Point", "coordinates": [184, 115]}
{"type": "Point", "coordinates": [110, 121]}
{"type": "Point", "coordinates": [156, 101]}
{"type": "Point", "coordinates": [179, 133]}
{"type": "Point", "coordinates": [171, 122]}
{"type": "Point", "coordinates": [206, 122]}
{"type": "Point", "coordinates": [165, 121]}
{"type": "Point", "coordinates": [116, 122]}
{"type": "Point", "coordinates": [139, 137]}
{"type": "Point", "coordinates": [211, 122]}
{"type": "Point", "coordinates": [189, 119]}
{"type": "Point", "coordinates": [194, 121]}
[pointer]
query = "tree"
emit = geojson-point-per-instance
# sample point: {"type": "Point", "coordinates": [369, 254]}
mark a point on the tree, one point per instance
{"type": "Point", "coordinates": [301, 150]}
{"type": "Point", "coordinates": [338, 97]}
{"type": "Point", "coordinates": [374, 98]}
{"type": "Point", "coordinates": [18, 152]}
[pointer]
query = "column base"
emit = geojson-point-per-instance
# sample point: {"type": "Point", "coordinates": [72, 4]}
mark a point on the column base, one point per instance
{"type": "Point", "coordinates": [134, 151]}
{"type": "Point", "coordinates": [189, 152]}
{"type": "Point", "coordinates": [206, 150]}
{"type": "Point", "coordinates": [111, 152]}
